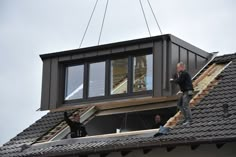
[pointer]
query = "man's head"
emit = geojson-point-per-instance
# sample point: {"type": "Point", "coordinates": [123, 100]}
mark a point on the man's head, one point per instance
{"type": "Point", "coordinates": [180, 67]}
{"type": "Point", "coordinates": [157, 119]}
{"type": "Point", "coordinates": [76, 117]}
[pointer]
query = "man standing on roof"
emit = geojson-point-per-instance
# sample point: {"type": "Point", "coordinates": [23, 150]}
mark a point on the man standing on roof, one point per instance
{"type": "Point", "coordinates": [183, 79]}
{"type": "Point", "coordinates": [77, 129]}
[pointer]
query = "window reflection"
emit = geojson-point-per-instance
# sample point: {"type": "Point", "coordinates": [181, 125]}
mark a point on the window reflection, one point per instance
{"type": "Point", "coordinates": [142, 73]}
{"type": "Point", "coordinates": [142, 77]}
{"type": "Point", "coordinates": [74, 82]}
{"type": "Point", "coordinates": [97, 79]}
{"type": "Point", "coordinates": [119, 75]}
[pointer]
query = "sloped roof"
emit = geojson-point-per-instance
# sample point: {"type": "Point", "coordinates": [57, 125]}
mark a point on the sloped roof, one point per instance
{"type": "Point", "coordinates": [32, 133]}
{"type": "Point", "coordinates": [225, 58]}
{"type": "Point", "coordinates": [214, 121]}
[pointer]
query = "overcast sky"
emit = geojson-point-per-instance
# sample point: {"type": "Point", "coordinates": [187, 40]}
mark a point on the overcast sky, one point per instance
{"type": "Point", "coordinates": [29, 28]}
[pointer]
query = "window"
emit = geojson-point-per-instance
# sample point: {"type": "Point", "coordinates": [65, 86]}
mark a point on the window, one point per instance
{"type": "Point", "coordinates": [119, 76]}
{"type": "Point", "coordinates": [128, 119]}
{"type": "Point", "coordinates": [74, 82]}
{"type": "Point", "coordinates": [97, 79]}
{"type": "Point", "coordinates": [126, 76]}
{"type": "Point", "coordinates": [114, 120]}
{"type": "Point", "coordinates": [142, 73]}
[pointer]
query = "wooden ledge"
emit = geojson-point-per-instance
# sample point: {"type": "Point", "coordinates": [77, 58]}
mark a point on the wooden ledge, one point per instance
{"type": "Point", "coordinates": [118, 103]}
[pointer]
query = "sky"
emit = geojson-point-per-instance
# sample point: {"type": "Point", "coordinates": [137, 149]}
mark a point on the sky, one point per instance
{"type": "Point", "coordinates": [29, 28]}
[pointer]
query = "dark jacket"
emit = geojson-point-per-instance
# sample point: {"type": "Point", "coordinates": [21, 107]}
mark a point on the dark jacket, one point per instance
{"type": "Point", "coordinates": [184, 81]}
{"type": "Point", "coordinates": [157, 125]}
{"type": "Point", "coordinates": [76, 129]}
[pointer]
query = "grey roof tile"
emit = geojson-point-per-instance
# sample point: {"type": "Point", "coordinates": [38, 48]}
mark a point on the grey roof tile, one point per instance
{"type": "Point", "coordinates": [209, 124]}
{"type": "Point", "coordinates": [225, 58]}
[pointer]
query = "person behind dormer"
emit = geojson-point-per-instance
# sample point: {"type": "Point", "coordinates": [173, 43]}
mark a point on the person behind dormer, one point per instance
{"type": "Point", "coordinates": [158, 122]}
{"type": "Point", "coordinates": [183, 79]}
{"type": "Point", "coordinates": [77, 129]}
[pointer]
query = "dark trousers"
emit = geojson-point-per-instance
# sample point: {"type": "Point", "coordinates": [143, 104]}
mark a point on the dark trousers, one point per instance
{"type": "Point", "coordinates": [183, 105]}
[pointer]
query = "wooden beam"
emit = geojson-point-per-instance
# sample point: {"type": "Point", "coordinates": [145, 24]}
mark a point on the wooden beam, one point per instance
{"type": "Point", "coordinates": [118, 103]}
{"type": "Point", "coordinates": [203, 74]}
{"type": "Point", "coordinates": [132, 109]}
{"type": "Point", "coordinates": [122, 134]}
{"type": "Point", "coordinates": [173, 120]}
{"type": "Point", "coordinates": [134, 102]}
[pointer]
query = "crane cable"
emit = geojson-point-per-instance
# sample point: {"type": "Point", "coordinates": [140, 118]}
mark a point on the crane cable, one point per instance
{"type": "Point", "coordinates": [140, 1]}
{"type": "Point", "coordinates": [95, 5]}
{"type": "Point", "coordinates": [104, 16]}
{"type": "Point", "coordinates": [154, 16]}
{"type": "Point", "coordinates": [103, 20]}
{"type": "Point", "coordinates": [144, 15]}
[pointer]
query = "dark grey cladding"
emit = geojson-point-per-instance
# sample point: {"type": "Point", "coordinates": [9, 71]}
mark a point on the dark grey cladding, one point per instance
{"type": "Point", "coordinates": [167, 51]}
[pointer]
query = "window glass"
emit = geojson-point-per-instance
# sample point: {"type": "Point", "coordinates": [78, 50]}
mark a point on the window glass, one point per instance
{"type": "Point", "coordinates": [142, 73]}
{"type": "Point", "coordinates": [97, 79]}
{"type": "Point", "coordinates": [119, 76]}
{"type": "Point", "coordinates": [74, 82]}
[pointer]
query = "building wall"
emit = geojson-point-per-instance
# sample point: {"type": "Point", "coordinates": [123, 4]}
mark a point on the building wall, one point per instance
{"type": "Point", "coordinates": [206, 150]}
{"type": "Point", "coordinates": [193, 61]}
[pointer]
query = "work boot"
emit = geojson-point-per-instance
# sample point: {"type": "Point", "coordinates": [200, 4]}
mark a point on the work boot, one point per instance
{"type": "Point", "coordinates": [187, 122]}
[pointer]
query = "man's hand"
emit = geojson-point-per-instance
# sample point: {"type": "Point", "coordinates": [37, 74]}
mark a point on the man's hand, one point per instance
{"type": "Point", "coordinates": [171, 80]}
{"type": "Point", "coordinates": [179, 92]}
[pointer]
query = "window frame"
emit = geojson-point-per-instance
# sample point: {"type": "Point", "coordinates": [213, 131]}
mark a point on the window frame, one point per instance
{"type": "Point", "coordinates": [65, 79]}
{"type": "Point", "coordinates": [132, 90]}
{"type": "Point", "coordinates": [107, 95]}
{"type": "Point", "coordinates": [62, 81]}
{"type": "Point", "coordinates": [119, 94]}
{"type": "Point", "coordinates": [88, 75]}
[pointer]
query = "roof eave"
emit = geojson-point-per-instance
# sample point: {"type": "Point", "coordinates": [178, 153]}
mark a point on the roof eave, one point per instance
{"type": "Point", "coordinates": [105, 46]}
{"type": "Point", "coordinates": [148, 145]}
